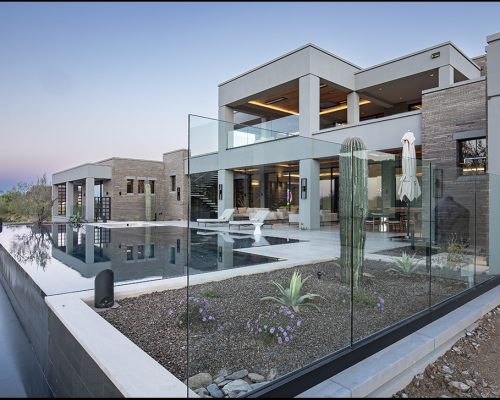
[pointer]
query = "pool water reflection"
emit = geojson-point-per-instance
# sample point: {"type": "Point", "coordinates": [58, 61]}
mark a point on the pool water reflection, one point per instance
{"type": "Point", "coordinates": [63, 258]}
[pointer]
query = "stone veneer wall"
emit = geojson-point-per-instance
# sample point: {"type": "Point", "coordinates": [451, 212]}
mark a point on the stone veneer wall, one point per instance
{"type": "Point", "coordinates": [174, 165]}
{"type": "Point", "coordinates": [445, 112]}
{"type": "Point", "coordinates": [130, 207]}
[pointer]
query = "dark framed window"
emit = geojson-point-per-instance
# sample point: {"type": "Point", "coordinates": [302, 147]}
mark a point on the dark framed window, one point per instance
{"type": "Point", "coordinates": [140, 186]}
{"type": "Point", "coordinates": [172, 183]}
{"type": "Point", "coordinates": [61, 199]}
{"type": "Point", "coordinates": [472, 156]}
{"type": "Point", "coordinates": [152, 185]}
{"type": "Point", "coordinates": [130, 253]}
{"type": "Point", "coordinates": [140, 252]}
{"type": "Point", "coordinates": [151, 251]}
{"type": "Point", "coordinates": [130, 186]}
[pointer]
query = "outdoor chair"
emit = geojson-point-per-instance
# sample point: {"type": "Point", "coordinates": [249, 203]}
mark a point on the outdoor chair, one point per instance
{"type": "Point", "coordinates": [225, 217]}
{"type": "Point", "coordinates": [259, 217]}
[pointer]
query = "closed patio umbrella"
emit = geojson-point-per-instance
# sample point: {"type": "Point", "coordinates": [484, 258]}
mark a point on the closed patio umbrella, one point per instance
{"type": "Point", "coordinates": [408, 183]}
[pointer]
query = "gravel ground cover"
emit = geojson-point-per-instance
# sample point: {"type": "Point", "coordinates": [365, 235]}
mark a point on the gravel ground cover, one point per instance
{"type": "Point", "coordinates": [471, 368]}
{"type": "Point", "coordinates": [228, 339]}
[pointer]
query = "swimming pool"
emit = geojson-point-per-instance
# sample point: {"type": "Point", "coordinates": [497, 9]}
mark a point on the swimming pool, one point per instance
{"type": "Point", "coordinates": [61, 258]}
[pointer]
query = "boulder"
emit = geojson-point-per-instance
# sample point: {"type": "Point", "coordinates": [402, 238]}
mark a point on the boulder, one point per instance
{"type": "Point", "coordinates": [256, 377]}
{"type": "Point", "coordinates": [200, 380]}
{"type": "Point", "coordinates": [214, 391]}
{"type": "Point", "coordinates": [238, 374]}
{"type": "Point", "coordinates": [236, 387]}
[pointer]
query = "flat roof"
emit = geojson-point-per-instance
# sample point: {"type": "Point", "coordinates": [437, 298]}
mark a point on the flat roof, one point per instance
{"type": "Point", "coordinates": [288, 54]}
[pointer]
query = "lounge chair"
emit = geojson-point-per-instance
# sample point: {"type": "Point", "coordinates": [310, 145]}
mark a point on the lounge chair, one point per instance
{"type": "Point", "coordinates": [260, 216]}
{"type": "Point", "coordinates": [225, 217]}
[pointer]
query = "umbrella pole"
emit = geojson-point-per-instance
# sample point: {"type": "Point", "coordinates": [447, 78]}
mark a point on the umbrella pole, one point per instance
{"type": "Point", "coordinates": [408, 220]}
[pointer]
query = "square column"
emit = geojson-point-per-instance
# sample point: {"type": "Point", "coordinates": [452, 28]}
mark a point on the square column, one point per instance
{"type": "Point", "coordinates": [89, 242]}
{"type": "Point", "coordinates": [353, 108]}
{"type": "Point", "coordinates": [226, 179]}
{"type": "Point", "coordinates": [55, 201]}
{"type": "Point", "coordinates": [446, 76]}
{"type": "Point", "coordinates": [89, 199]}
{"type": "Point", "coordinates": [309, 208]}
{"type": "Point", "coordinates": [308, 105]}
{"type": "Point", "coordinates": [70, 199]}
{"type": "Point", "coordinates": [226, 120]}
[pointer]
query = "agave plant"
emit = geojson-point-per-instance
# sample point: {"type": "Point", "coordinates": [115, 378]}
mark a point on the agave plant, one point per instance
{"type": "Point", "coordinates": [293, 296]}
{"type": "Point", "coordinates": [405, 265]}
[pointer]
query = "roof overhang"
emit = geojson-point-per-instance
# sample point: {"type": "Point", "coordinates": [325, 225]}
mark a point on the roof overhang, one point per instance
{"type": "Point", "coordinates": [82, 172]}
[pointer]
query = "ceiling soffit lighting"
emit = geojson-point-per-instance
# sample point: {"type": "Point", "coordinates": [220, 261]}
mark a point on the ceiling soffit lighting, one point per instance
{"type": "Point", "coordinates": [342, 107]}
{"type": "Point", "coordinates": [276, 100]}
{"type": "Point", "coordinates": [323, 85]}
{"type": "Point", "coordinates": [257, 103]}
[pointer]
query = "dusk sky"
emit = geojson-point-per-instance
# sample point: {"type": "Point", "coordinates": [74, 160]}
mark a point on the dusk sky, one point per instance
{"type": "Point", "coordinates": [81, 82]}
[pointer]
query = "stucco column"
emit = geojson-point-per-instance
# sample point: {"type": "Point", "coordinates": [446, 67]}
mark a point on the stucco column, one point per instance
{"type": "Point", "coordinates": [226, 179]}
{"type": "Point", "coordinates": [69, 239]}
{"type": "Point", "coordinates": [353, 108]}
{"type": "Point", "coordinates": [226, 119]}
{"type": "Point", "coordinates": [493, 95]}
{"type": "Point", "coordinates": [446, 76]}
{"type": "Point", "coordinates": [308, 105]}
{"type": "Point", "coordinates": [309, 208]}
{"type": "Point", "coordinates": [55, 200]}
{"type": "Point", "coordinates": [225, 256]}
{"type": "Point", "coordinates": [89, 199]}
{"type": "Point", "coordinates": [89, 243]}
{"type": "Point", "coordinates": [70, 199]}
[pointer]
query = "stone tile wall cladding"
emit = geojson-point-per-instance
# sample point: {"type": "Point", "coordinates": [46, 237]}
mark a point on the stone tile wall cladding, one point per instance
{"type": "Point", "coordinates": [174, 165]}
{"type": "Point", "coordinates": [444, 113]}
{"type": "Point", "coordinates": [72, 372]}
{"type": "Point", "coordinates": [164, 203]}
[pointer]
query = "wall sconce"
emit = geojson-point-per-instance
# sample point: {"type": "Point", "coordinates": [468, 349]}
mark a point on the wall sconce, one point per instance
{"type": "Point", "coordinates": [178, 194]}
{"type": "Point", "coordinates": [303, 188]}
{"type": "Point", "coordinates": [220, 191]}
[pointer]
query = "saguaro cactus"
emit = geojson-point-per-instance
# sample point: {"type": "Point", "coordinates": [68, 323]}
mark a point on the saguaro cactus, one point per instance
{"type": "Point", "coordinates": [147, 199]}
{"type": "Point", "coordinates": [353, 207]}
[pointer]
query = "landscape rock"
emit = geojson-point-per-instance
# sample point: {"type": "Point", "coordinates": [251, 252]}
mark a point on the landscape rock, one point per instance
{"type": "Point", "coordinates": [256, 377]}
{"type": "Point", "coordinates": [214, 391]}
{"type": "Point", "coordinates": [446, 370]}
{"type": "Point", "coordinates": [238, 374]}
{"type": "Point", "coordinates": [200, 380]}
{"type": "Point", "coordinates": [222, 374]}
{"type": "Point", "coordinates": [471, 383]}
{"type": "Point", "coordinates": [236, 387]}
{"type": "Point", "coordinates": [456, 386]}
{"type": "Point", "coordinates": [224, 383]}
{"type": "Point", "coordinates": [202, 392]}
{"type": "Point", "coordinates": [220, 379]}
{"type": "Point", "coordinates": [273, 373]}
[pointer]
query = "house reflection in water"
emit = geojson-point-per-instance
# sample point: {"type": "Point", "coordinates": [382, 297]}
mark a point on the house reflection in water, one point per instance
{"type": "Point", "coordinates": [141, 253]}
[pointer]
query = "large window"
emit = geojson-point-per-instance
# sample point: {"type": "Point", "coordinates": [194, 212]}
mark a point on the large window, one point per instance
{"type": "Point", "coordinates": [130, 186]}
{"type": "Point", "coordinates": [172, 183]}
{"type": "Point", "coordinates": [61, 199]}
{"type": "Point", "coordinates": [140, 186]}
{"type": "Point", "coordinates": [472, 156]}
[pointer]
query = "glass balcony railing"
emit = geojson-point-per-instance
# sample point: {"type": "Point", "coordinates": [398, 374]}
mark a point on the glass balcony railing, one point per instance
{"type": "Point", "coordinates": [370, 256]}
{"type": "Point", "coordinates": [210, 132]}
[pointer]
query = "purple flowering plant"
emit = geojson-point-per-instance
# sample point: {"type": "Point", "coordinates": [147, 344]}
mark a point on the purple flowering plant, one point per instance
{"type": "Point", "coordinates": [195, 310]}
{"type": "Point", "coordinates": [277, 328]}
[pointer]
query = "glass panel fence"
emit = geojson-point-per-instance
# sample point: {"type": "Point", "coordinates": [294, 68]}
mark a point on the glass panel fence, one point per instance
{"type": "Point", "coordinates": [301, 248]}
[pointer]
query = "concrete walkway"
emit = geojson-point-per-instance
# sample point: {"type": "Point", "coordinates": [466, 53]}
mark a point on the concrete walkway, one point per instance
{"type": "Point", "coordinates": [20, 373]}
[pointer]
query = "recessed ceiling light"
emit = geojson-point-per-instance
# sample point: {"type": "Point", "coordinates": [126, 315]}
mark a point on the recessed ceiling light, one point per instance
{"type": "Point", "coordinates": [400, 98]}
{"type": "Point", "coordinates": [431, 75]}
{"type": "Point", "coordinates": [379, 88]}
{"type": "Point", "coordinates": [276, 100]}
{"type": "Point", "coordinates": [323, 85]}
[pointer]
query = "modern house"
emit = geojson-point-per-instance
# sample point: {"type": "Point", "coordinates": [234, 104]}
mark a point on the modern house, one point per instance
{"type": "Point", "coordinates": [116, 188]}
{"type": "Point", "coordinates": [258, 152]}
